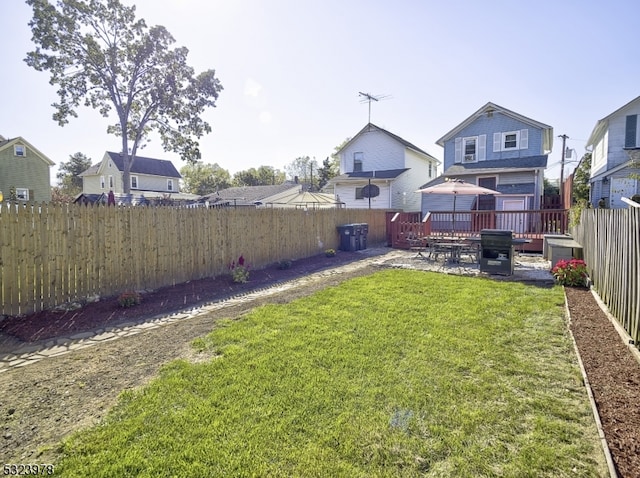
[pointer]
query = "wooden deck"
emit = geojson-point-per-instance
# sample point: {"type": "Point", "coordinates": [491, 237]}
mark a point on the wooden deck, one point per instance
{"type": "Point", "coordinates": [533, 225]}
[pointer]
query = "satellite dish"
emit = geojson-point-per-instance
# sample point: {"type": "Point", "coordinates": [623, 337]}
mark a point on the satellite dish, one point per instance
{"type": "Point", "coordinates": [370, 191]}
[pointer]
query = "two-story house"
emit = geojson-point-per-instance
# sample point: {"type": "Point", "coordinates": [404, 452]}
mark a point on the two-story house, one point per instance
{"type": "Point", "coordinates": [150, 177]}
{"type": "Point", "coordinates": [615, 158]}
{"type": "Point", "coordinates": [498, 149]}
{"type": "Point", "coordinates": [380, 170]}
{"type": "Point", "coordinates": [24, 172]}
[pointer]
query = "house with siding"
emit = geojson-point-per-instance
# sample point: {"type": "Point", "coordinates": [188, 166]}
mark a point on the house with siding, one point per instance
{"type": "Point", "coordinates": [498, 149]}
{"type": "Point", "coordinates": [615, 158]}
{"type": "Point", "coordinates": [150, 177]}
{"type": "Point", "coordinates": [381, 170]}
{"type": "Point", "coordinates": [24, 172]}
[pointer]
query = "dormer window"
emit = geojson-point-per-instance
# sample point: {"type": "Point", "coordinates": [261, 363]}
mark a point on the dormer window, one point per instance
{"type": "Point", "coordinates": [358, 157]}
{"type": "Point", "coordinates": [19, 150]}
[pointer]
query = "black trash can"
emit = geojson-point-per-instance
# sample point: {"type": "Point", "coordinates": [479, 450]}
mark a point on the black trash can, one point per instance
{"type": "Point", "coordinates": [496, 251]}
{"type": "Point", "coordinates": [347, 237]}
{"type": "Point", "coordinates": [363, 235]}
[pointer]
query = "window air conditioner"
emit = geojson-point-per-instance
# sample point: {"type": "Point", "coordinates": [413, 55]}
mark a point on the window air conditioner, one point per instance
{"type": "Point", "coordinates": [469, 157]}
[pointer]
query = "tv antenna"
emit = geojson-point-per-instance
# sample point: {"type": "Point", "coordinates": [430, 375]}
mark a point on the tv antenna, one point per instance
{"type": "Point", "coordinates": [368, 98]}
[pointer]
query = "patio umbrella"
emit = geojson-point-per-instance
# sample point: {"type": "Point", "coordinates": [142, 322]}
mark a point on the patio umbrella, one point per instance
{"type": "Point", "coordinates": [457, 187]}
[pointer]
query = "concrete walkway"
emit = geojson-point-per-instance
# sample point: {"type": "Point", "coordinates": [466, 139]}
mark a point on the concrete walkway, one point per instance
{"type": "Point", "coordinates": [14, 353]}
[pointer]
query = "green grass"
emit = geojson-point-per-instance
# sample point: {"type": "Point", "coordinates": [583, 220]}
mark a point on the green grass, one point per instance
{"type": "Point", "coordinates": [401, 373]}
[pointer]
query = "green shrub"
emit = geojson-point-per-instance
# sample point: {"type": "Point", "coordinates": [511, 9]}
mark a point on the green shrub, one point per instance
{"type": "Point", "coordinates": [129, 299]}
{"type": "Point", "coordinates": [239, 271]}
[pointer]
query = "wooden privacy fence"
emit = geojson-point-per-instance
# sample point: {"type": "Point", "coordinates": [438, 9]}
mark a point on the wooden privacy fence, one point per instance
{"type": "Point", "coordinates": [611, 247]}
{"type": "Point", "coordinates": [53, 254]}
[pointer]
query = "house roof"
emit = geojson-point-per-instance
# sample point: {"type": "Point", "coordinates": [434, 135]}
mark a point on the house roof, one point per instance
{"type": "Point", "coordinates": [492, 107]}
{"type": "Point", "coordinates": [381, 174]}
{"type": "Point", "coordinates": [404, 142]}
{"type": "Point", "coordinates": [142, 165]}
{"type": "Point", "coordinates": [601, 125]}
{"type": "Point", "coordinates": [250, 195]}
{"type": "Point", "coordinates": [8, 142]}
{"type": "Point", "coordinates": [495, 165]}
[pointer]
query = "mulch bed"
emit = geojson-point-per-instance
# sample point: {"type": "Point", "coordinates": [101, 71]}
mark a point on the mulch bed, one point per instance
{"type": "Point", "coordinates": [614, 375]}
{"type": "Point", "coordinates": [107, 312]}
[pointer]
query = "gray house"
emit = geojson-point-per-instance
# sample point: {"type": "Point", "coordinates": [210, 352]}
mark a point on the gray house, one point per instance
{"type": "Point", "coordinates": [615, 160]}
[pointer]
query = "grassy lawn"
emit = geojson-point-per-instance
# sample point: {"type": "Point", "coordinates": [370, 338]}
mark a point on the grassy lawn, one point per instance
{"type": "Point", "coordinates": [401, 373]}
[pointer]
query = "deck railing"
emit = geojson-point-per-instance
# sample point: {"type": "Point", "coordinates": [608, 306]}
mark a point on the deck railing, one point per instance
{"type": "Point", "coordinates": [524, 224]}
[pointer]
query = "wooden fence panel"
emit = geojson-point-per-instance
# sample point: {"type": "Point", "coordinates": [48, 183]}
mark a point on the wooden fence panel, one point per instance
{"type": "Point", "coordinates": [52, 254]}
{"type": "Point", "coordinates": [611, 246]}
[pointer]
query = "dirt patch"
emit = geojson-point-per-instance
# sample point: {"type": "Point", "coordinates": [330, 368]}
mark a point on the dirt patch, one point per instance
{"type": "Point", "coordinates": [42, 403]}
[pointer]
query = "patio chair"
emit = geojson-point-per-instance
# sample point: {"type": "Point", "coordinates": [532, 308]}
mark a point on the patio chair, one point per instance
{"type": "Point", "coordinates": [417, 245]}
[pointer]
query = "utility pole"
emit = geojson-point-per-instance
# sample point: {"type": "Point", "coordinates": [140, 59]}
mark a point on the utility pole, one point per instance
{"type": "Point", "coordinates": [564, 142]}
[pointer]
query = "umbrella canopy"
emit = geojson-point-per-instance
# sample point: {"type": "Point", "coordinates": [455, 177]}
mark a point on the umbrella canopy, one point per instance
{"type": "Point", "coordinates": [306, 199]}
{"type": "Point", "coordinates": [457, 187]}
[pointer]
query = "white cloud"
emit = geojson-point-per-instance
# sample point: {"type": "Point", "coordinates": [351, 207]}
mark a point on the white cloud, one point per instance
{"type": "Point", "coordinates": [265, 117]}
{"type": "Point", "coordinates": [252, 87]}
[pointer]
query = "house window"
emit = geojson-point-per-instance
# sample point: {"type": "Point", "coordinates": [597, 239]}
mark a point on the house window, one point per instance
{"type": "Point", "coordinates": [169, 184]}
{"type": "Point", "coordinates": [22, 194]}
{"type": "Point", "coordinates": [357, 161]}
{"type": "Point", "coordinates": [134, 182]}
{"type": "Point", "coordinates": [101, 182]}
{"type": "Point", "coordinates": [19, 150]}
{"type": "Point", "coordinates": [631, 132]}
{"type": "Point", "coordinates": [110, 182]}
{"type": "Point", "coordinates": [469, 145]}
{"type": "Point", "coordinates": [430, 174]}
{"type": "Point", "coordinates": [510, 140]}
{"type": "Point", "coordinates": [359, 194]}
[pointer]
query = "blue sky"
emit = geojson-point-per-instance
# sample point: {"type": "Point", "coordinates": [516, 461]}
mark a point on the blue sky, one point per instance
{"type": "Point", "coordinates": [292, 70]}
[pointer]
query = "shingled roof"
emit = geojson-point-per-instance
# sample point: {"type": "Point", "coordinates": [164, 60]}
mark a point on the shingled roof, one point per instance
{"type": "Point", "coordinates": [142, 165]}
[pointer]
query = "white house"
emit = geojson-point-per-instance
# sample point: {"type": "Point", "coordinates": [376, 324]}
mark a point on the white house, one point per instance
{"type": "Point", "coordinates": [615, 160]}
{"type": "Point", "coordinates": [379, 169]}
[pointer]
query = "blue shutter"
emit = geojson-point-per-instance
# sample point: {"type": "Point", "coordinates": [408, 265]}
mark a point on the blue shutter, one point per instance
{"type": "Point", "coordinates": [630, 131]}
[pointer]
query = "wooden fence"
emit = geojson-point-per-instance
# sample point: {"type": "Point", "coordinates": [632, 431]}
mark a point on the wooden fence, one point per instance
{"type": "Point", "coordinates": [611, 242]}
{"type": "Point", "coordinates": [50, 255]}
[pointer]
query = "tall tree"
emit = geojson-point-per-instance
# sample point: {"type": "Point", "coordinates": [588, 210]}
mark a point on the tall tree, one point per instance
{"type": "Point", "coordinates": [202, 179]}
{"type": "Point", "coordinates": [101, 56]}
{"type": "Point", "coordinates": [330, 169]}
{"type": "Point", "coordinates": [305, 169]}
{"type": "Point", "coordinates": [581, 178]}
{"type": "Point", "coordinates": [263, 176]}
{"type": "Point", "coordinates": [69, 172]}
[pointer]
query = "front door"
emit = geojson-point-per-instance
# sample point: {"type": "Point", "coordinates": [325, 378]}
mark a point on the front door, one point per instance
{"type": "Point", "coordinates": [487, 202]}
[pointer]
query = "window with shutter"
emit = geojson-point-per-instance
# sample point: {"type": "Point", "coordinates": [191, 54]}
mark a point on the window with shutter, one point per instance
{"type": "Point", "coordinates": [631, 131]}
